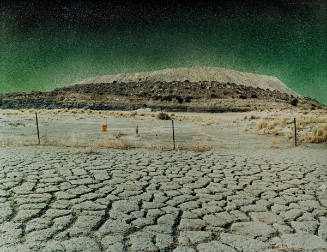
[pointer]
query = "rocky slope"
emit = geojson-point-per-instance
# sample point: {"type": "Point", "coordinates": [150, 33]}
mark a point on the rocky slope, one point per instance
{"type": "Point", "coordinates": [197, 74]}
{"type": "Point", "coordinates": [189, 96]}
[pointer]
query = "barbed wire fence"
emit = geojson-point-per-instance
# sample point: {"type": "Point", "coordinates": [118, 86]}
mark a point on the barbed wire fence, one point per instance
{"type": "Point", "coordinates": [134, 133]}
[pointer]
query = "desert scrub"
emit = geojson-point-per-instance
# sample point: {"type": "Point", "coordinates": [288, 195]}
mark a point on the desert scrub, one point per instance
{"type": "Point", "coordinates": [261, 124]}
{"type": "Point", "coordinates": [272, 124]}
{"type": "Point", "coordinates": [289, 135]}
{"type": "Point", "coordinates": [317, 135]}
{"type": "Point", "coordinates": [163, 116]}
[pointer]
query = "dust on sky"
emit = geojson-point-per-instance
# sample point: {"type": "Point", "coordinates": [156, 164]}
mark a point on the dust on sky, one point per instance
{"type": "Point", "coordinates": [290, 47]}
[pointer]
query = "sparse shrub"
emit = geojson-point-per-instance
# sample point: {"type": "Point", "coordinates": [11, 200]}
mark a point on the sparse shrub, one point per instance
{"type": "Point", "coordinates": [261, 124]}
{"type": "Point", "coordinates": [294, 102]}
{"type": "Point", "coordinates": [133, 113]}
{"type": "Point", "coordinates": [277, 132]}
{"type": "Point", "coordinates": [273, 124]}
{"type": "Point", "coordinates": [318, 135]}
{"type": "Point", "coordinates": [163, 116]}
{"type": "Point", "coordinates": [283, 121]}
{"type": "Point", "coordinates": [119, 134]}
{"type": "Point", "coordinates": [289, 135]}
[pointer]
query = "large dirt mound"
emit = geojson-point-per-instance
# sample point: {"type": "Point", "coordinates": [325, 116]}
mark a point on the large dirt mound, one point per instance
{"type": "Point", "coordinates": [197, 74]}
{"type": "Point", "coordinates": [171, 90]}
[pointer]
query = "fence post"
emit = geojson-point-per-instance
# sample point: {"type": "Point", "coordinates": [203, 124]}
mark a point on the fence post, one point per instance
{"type": "Point", "coordinates": [172, 123]}
{"type": "Point", "coordinates": [295, 142]}
{"type": "Point", "coordinates": [37, 127]}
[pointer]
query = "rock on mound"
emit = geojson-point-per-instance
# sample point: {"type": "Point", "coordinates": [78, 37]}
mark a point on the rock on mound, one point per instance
{"type": "Point", "coordinates": [197, 74]}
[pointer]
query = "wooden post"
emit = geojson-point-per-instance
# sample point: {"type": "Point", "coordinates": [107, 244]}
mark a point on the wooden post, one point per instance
{"type": "Point", "coordinates": [37, 128]}
{"type": "Point", "coordinates": [172, 123]}
{"type": "Point", "coordinates": [137, 129]}
{"type": "Point", "coordinates": [295, 132]}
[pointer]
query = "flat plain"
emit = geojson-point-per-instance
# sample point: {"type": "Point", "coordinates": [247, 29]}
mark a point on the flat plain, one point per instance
{"type": "Point", "coordinates": [237, 196]}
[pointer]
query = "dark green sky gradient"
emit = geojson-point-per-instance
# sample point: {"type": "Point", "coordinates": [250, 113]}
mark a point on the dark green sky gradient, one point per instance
{"type": "Point", "coordinates": [291, 47]}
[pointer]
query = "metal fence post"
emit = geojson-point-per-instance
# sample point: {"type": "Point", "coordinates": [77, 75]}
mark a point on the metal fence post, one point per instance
{"type": "Point", "coordinates": [37, 127]}
{"type": "Point", "coordinates": [172, 123]}
{"type": "Point", "coordinates": [295, 142]}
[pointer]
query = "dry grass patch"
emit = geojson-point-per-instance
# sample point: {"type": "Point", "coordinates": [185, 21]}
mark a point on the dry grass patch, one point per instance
{"type": "Point", "coordinates": [278, 132]}
{"type": "Point", "coordinates": [308, 125]}
{"type": "Point", "coordinates": [274, 144]}
{"type": "Point", "coordinates": [163, 116]}
{"type": "Point", "coordinates": [272, 124]}
{"type": "Point", "coordinates": [261, 124]}
{"type": "Point", "coordinates": [196, 148]}
{"type": "Point", "coordinates": [288, 135]}
{"type": "Point", "coordinates": [246, 129]}
{"type": "Point", "coordinates": [133, 114]}
{"type": "Point", "coordinates": [210, 122]}
{"type": "Point", "coordinates": [317, 135]}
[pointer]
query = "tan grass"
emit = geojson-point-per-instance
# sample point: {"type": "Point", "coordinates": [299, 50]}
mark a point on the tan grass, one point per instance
{"type": "Point", "coordinates": [277, 132]}
{"type": "Point", "coordinates": [119, 134]}
{"type": "Point", "coordinates": [317, 135]}
{"type": "Point", "coordinates": [196, 148]}
{"type": "Point", "coordinates": [283, 121]}
{"type": "Point", "coordinates": [272, 124]}
{"type": "Point", "coordinates": [210, 122]}
{"type": "Point", "coordinates": [133, 113]}
{"type": "Point", "coordinates": [252, 117]}
{"type": "Point", "coordinates": [288, 135]}
{"type": "Point", "coordinates": [196, 139]}
{"type": "Point", "coordinates": [274, 144]}
{"type": "Point", "coordinates": [261, 124]}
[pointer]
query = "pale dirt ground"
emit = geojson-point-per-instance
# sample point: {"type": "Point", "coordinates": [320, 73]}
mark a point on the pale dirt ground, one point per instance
{"type": "Point", "coordinates": [245, 194]}
{"type": "Point", "coordinates": [84, 128]}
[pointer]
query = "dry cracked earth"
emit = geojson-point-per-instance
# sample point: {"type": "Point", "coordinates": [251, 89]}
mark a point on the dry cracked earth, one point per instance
{"type": "Point", "coordinates": [63, 199]}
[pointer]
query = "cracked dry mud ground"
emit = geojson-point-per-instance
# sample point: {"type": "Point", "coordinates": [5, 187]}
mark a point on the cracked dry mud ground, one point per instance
{"type": "Point", "coordinates": [63, 199]}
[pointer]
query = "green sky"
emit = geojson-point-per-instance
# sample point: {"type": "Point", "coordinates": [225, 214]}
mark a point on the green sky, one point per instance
{"type": "Point", "coordinates": [291, 47]}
